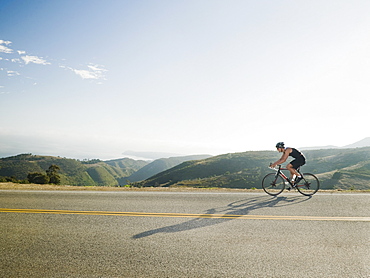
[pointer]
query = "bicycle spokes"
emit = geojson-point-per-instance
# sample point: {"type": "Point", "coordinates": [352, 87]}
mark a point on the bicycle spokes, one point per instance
{"type": "Point", "coordinates": [272, 184]}
{"type": "Point", "coordinates": [308, 185]}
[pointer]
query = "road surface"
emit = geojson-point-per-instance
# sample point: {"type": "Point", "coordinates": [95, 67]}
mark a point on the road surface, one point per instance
{"type": "Point", "coordinates": [183, 234]}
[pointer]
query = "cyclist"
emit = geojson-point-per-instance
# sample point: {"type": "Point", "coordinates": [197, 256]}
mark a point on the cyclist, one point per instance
{"type": "Point", "coordinates": [298, 161]}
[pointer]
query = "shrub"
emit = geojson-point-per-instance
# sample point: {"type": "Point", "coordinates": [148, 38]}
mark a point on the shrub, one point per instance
{"type": "Point", "coordinates": [38, 178]}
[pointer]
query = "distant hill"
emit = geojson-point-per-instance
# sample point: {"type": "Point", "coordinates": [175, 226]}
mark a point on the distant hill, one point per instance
{"type": "Point", "coordinates": [160, 165]}
{"type": "Point", "coordinates": [336, 168]}
{"type": "Point", "coordinates": [318, 148]}
{"type": "Point", "coordinates": [128, 165]}
{"type": "Point", "coordinates": [360, 144]}
{"type": "Point", "coordinates": [148, 155]}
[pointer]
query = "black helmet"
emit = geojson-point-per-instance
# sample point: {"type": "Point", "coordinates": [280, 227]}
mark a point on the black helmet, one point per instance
{"type": "Point", "coordinates": [280, 145]}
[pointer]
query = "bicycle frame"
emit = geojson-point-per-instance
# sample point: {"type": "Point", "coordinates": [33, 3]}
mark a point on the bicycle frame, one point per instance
{"type": "Point", "coordinates": [280, 172]}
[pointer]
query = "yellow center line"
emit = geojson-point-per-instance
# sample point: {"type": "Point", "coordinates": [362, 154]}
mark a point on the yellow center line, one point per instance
{"type": "Point", "coordinates": [190, 215]}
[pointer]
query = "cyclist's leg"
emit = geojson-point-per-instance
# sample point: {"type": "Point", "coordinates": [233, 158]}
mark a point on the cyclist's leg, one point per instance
{"type": "Point", "coordinates": [292, 168]}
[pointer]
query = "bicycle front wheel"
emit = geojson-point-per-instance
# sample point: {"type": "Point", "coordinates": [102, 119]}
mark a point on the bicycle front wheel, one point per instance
{"type": "Point", "coordinates": [309, 185]}
{"type": "Point", "coordinates": [273, 184]}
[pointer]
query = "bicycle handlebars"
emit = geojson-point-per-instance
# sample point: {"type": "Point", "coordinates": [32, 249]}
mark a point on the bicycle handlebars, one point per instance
{"type": "Point", "coordinates": [276, 169]}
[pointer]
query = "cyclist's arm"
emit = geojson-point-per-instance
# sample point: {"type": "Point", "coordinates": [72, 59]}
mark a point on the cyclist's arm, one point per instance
{"type": "Point", "coordinates": [283, 158]}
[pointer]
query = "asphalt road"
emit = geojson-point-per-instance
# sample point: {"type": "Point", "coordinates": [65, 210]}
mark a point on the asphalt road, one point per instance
{"type": "Point", "coordinates": [185, 234]}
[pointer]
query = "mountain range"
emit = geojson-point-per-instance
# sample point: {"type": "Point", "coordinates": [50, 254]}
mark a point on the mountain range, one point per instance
{"type": "Point", "coordinates": [359, 144]}
{"type": "Point", "coordinates": [117, 172]}
{"type": "Point", "coordinates": [160, 165]}
{"type": "Point", "coordinates": [345, 168]}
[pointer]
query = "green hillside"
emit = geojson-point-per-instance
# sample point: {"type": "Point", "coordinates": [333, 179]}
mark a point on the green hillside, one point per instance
{"type": "Point", "coordinates": [336, 168]}
{"type": "Point", "coordinates": [72, 172]}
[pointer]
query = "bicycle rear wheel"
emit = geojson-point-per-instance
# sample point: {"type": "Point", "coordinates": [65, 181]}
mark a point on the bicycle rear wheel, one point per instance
{"type": "Point", "coordinates": [273, 184]}
{"type": "Point", "coordinates": [309, 185]}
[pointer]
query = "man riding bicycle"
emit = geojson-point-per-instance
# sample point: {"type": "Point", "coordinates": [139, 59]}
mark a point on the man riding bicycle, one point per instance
{"type": "Point", "coordinates": [298, 161]}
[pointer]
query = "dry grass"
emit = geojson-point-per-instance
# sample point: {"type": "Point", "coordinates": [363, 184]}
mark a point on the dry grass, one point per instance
{"type": "Point", "coordinates": [16, 186]}
{"type": "Point", "coordinates": [31, 186]}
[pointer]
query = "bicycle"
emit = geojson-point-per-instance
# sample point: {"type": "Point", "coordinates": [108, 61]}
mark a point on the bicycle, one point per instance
{"type": "Point", "coordinates": [274, 183]}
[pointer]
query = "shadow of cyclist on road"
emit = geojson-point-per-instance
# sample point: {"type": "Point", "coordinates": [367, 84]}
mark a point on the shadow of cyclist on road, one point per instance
{"type": "Point", "coordinates": [242, 207]}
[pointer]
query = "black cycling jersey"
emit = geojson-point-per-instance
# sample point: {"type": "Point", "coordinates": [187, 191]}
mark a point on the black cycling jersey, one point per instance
{"type": "Point", "coordinates": [299, 158]}
{"type": "Point", "coordinates": [296, 153]}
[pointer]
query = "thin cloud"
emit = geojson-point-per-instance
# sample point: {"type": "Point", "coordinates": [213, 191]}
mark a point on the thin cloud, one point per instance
{"type": "Point", "coordinates": [4, 48]}
{"type": "Point", "coordinates": [92, 71]}
{"type": "Point", "coordinates": [95, 72]}
{"type": "Point", "coordinates": [12, 73]}
{"type": "Point", "coordinates": [96, 68]}
{"type": "Point", "coordinates": [5, 42]}
{"type": "Point", "coordinates": [85, 74]}
{"type": "Point", "coordinates": [34, 59]}
{"type": "Point", "coordinates": [2, 92]}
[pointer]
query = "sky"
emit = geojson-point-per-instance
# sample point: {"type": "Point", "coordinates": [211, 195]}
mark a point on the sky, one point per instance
{"type": "Point", "coordinates": [94, 79]}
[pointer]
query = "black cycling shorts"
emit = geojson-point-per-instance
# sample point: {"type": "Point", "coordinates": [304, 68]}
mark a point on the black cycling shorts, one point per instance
{"type": "Point", "coordinates": [298, 162]}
